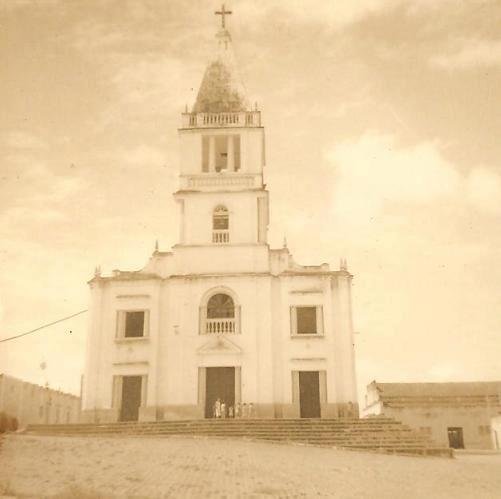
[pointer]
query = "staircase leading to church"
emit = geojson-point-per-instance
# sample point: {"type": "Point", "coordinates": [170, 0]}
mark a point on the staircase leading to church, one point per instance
{"type": "Point", "coordinates": [374, 434]}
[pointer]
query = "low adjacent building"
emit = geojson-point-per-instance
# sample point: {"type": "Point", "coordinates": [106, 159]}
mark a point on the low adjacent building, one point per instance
{"type": "Point", "coordinates": [34, 404]}
{"type": "Point", "coordinates": [457, 415]}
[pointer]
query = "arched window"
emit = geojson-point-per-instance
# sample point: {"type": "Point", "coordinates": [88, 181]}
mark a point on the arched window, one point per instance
{"type": "Point", "coordinates": [220, 225]}
{"type": "Point", "coordinates": [220, 306]}
{"type": "Point", "coordinates": [219, 312]}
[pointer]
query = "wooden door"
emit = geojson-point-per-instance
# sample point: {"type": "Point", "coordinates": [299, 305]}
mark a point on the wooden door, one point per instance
{"type": "Point", "coordinates": [309, 394]}
{"type": "Point", "coordinates": [219, 384]}
{"type": "Point", "coordinates": [455, 435]}
{"type": "Point", "coordinates": [131, 398]}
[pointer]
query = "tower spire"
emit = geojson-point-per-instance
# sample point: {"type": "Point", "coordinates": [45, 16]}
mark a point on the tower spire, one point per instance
{"type": "Point", "coordinates": [222, 89]}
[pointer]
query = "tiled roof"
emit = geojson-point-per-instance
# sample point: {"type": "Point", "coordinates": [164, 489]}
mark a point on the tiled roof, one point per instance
{"type": "Point", "coordinates": [458, 389]}
{"type": "Point", "coordinates": [221, 89]}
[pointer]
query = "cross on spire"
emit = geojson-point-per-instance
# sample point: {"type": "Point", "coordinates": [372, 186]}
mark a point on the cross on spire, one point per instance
{"type": "Point", "coordinates": [223, 13]}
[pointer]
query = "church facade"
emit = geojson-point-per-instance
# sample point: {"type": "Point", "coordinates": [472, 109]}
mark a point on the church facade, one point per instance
{"type": "Point", "coordinates": [222, 315]}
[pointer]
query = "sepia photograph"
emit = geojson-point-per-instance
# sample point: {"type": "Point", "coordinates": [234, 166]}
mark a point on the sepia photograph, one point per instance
{"type": "Point", "coordinates": [250, 249]}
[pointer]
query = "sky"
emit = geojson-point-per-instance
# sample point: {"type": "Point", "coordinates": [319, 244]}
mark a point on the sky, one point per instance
{"type": "Point", "coordinates": [382, 122]}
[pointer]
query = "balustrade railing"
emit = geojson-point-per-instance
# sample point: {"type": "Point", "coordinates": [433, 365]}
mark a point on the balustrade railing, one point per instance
{"type": "Point", "coordinates": [244, 118]}
{"type": "Point", "coordinates": [220, 236]}
{"type": "Point", "coordinates": [220, 180]}
{"type": "Point", "coordinates": [219, 326]}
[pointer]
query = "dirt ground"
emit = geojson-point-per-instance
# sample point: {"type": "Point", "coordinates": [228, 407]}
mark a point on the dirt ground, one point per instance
{"type": "Point", "coordinates": [96, 467]}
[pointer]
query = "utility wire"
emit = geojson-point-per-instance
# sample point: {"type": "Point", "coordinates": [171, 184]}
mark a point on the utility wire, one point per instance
{"type": "Point", "coordinates": [44, 326]}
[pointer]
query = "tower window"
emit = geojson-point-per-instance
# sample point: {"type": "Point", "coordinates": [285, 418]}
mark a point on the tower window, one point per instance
{"type": "Point", "coordinates": [220, 225]}
{"type": "Point", "coordinates": [220, 153]}
{"type": "Point", "coordinates": [236, 150]}
{"type": "Point", "coordinates": [205, 153]}
{"type": "Point", "coordinates": [220, 220]}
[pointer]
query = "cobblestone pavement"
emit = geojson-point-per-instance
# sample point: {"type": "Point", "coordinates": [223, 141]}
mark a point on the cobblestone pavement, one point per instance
{"type": "Point", "coordinates": [143, 467]}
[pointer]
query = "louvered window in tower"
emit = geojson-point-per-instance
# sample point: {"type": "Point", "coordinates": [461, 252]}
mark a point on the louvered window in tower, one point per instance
{"type": "Point", "coordinates": [220, 153]}
{"type": "Point", "coordinates": [220, 225]}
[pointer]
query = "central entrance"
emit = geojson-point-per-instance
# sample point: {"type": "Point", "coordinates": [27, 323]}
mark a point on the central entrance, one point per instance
{"type": "Point", "coordinates": [219, 384]}
{"type": "Point", "coordinates": [309, 394]}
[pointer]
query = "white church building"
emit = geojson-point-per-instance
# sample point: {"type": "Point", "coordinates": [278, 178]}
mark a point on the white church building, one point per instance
{"type": "Point", "coordinates": [222, 315]}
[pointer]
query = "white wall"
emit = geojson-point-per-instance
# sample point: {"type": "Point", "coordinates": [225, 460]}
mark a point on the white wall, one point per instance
{"type": "Point", "coordinates": [198, 210]}
{"type": "Point", "coordinates": [174, 350]}
{"type": "Point", "coordinates": [265, 350]}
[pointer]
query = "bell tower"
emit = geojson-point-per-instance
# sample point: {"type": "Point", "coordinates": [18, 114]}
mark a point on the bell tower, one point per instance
{"type": "Point", "coordinates": [222, 196]}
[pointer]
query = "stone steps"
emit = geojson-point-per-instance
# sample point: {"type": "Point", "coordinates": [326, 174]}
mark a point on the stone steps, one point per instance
{"type": "Point", "coordinates": [306, 421]}
{"type": "Point", "coordinates": [262, 436]}
{"type": "Point", "coordinates": [158, 427]}
{"type": "Point", "coordinates": [376, 434]}
{"type": "Point", "coordinates": [229, 430]}
{"type": "Point", "coordinates": [241, 422]}
{"type": "Point", "coordinates": [275, 434]}
{"type": "Point", "coordinates": [226, 427]}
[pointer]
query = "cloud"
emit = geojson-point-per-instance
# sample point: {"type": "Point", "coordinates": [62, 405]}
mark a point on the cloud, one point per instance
{"type": "Point", "coordinates": [158, 79]}
{"type": "Point", "coordinates": [18, 139]}
{"type": "Point", "coordinates": [376, 183]}
{"type": "Point", "coordinates": [41, 182]}
{"type": "Point", "coordinates": [335, 14]}
{"type": "Point", "coordinates": [144, 155]}
{"type": "Point", "coordinates": [64, 188]}
{"type": "Point", "coordinates": [89, 36]}
{"type": "Point", "coordinates": [372, 171]}
{"type": "Point", "coordinates": [383, 191]}
{"type": "Point", "coordinates": [13, 5]}
{"type": "Point", "coordinates": [23, 214]}
{"type": "Point", "coordinates": [425, 6]}
{"type": "Point", "coordinates": [146, 87]}
{"type": "Point", "coordinates": [36, 199]}
{"type": "Point", "coordinates": [339, 14]}
{"type": "Point", "coordinates": [484, 190]}
{"type": "Point", "coordinates": [469, 54]}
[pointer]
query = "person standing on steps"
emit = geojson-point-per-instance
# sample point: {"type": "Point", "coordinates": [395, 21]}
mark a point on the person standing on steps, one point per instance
{"type": "Point", "coordinates": [223, 409]}
{"type": "Point", "coordinates": [217, 408]}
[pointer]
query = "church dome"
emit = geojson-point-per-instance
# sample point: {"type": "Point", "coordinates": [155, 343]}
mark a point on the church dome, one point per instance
{"type": "Point", "coordinates": [221, 90]}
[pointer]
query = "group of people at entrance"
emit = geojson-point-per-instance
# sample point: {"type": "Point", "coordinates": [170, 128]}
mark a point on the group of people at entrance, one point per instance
{"type": "Point", "coordinates": [222, 410]}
